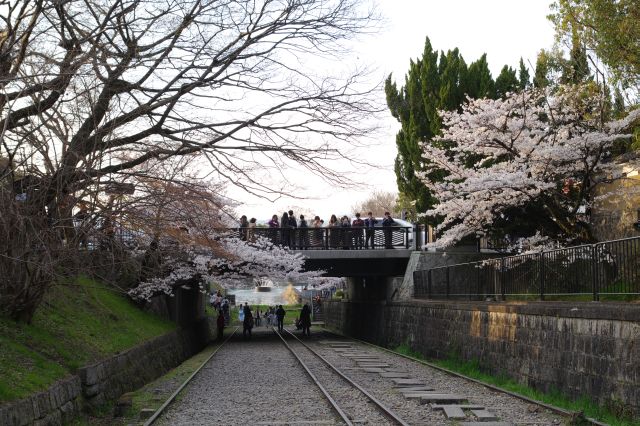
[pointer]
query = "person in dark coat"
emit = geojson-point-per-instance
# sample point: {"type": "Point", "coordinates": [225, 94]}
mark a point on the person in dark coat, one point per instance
{"type": "Point", "coordinates": [303, 234]}
{"type": "Point", "coordinates": [220, 324]}
{"type": "Point", "coordinates": [305, 320]}
{"type": "Point", "coordinates": [244, 225]}
{"type": "Point", "coordinates": [285, 238]}
{"type": "Point", "coordinates": [293, 224]}
{"type": "Point", "coordinates": [387, 223]}
{"type": "Point", "coordinates": [280, 313]}
{"type": "Point", "coordinates": [247, 324]}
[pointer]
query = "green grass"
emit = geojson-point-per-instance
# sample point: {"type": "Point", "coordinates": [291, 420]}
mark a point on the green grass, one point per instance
{"type": "Point", "coordinates": [78, 323]}
{"type": "Point", "coordinates": [611, 415]}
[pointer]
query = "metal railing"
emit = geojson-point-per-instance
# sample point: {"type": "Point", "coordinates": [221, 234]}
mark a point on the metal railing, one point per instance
{"type": "Point", "coordinates": [607, 268]}
{"type": "Point", "coordinates": [394, 237]}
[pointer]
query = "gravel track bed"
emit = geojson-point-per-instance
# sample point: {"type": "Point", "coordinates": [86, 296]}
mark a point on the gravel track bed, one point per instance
{"type": "Point", "coordinates": [506, 407]}
{"type": "Point", "coordinates": [251, 382]}
{"type": "Point", "coordinates": [354, 403]}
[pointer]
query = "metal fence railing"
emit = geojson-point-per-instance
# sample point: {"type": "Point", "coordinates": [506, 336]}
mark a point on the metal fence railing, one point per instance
{"type": "Point", "coordinates": [332, 238]}
{"type": "Point", "coordinates": [606, 268]}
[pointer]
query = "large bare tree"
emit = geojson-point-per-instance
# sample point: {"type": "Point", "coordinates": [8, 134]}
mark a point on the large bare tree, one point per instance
{"type": "Point", "coordinates": [92, 89]}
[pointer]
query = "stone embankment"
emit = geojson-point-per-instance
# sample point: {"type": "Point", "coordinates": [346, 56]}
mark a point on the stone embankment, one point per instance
{"type": "Point", "coordinates": [106, 380]}
{"type": "Point", "coordinates": [581, 349]}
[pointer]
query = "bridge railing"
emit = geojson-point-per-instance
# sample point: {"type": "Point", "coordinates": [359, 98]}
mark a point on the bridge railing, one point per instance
{"type": "Point", "coordinates": [610, 268]}
{"type": "Point", "coordinates": [379, 238]}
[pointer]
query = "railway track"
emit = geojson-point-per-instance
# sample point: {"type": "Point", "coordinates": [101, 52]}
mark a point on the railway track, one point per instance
{"type": "Point", "coordinates": [174, 395]}
{"type": "Point", "coordinates": [354, 383]}
{"type": "Point", "coordinates": [352, 407]}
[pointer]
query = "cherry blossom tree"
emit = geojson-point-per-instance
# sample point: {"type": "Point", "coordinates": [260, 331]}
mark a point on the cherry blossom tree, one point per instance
{"type": "Point", "coordinates": [237, 263]}
{"type": "Point", "coordinates": [534, 155]}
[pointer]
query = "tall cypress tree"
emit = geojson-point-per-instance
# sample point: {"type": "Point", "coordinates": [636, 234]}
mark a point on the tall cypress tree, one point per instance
{"type": "Point", "coordinates": [577, 68]}
{"type": "Point", "coordinates": [506, 82]}
{"type": "Point", "coordinates": [436, 81]}
{"type": "Point", "coordinates": [523, 76]}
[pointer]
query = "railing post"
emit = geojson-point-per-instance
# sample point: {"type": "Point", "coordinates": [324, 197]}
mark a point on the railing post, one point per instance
{"type": "Point", "coordinates": [595, 272]}
{"type": "Point", "coordinates": [501, 280]}
{"type": "Point", "coordinates": [448, 285]}
{"type": "Point", "coordinates": [418, 236]}
{"type": "Point", "coordinates": [429, 284]}
{"type": "Point", "coordinates": [406, 237]}
{"type": "Point", "coordinates": [541, 269]}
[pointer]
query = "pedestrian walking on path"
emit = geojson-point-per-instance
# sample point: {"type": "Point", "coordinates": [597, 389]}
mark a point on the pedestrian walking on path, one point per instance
{"type": "Point", "coordinates": [280, 313]}
{"type": "Point", "coordinates": [247, 323]}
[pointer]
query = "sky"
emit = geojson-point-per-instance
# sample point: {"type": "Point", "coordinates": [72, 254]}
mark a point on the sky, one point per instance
{"type": "Point", "coordinates": [504, 29]}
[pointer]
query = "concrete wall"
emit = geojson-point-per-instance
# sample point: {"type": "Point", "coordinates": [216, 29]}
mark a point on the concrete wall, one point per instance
{"type": "Point", "coordinates": [582, 349]}
{"type": "Point", "coordinates": [108, 379]}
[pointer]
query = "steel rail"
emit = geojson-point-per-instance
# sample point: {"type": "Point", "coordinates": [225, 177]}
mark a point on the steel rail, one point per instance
{"type": "Point", "coordinates": [385, 410]}
{"type": "Point", "coordinates": [557, 410]}
{"type": "Point", "coordinates": [173, 396]}
{"type": "Point", "coordinates": [332, 401]}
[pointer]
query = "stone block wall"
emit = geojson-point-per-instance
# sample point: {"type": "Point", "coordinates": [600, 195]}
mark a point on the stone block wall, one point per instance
{"type": "Point", "coordinates": [581, 349]}
{"type": "Point", "coordinates": [56, 405]}
{"type": "Point", "coordinates": [108, 379]}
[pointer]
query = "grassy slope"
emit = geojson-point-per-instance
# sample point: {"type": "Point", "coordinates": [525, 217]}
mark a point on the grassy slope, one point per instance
{"type": "Point", "coordinates": [77, 324]}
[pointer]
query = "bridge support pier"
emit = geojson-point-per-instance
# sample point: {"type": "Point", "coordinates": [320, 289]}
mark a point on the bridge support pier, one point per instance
{"type": "Point", "coordinates": [368, 288]}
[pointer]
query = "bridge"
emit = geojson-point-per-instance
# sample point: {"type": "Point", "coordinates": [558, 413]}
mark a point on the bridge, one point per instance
{"type": "Point", "coordinates": [348, 251]}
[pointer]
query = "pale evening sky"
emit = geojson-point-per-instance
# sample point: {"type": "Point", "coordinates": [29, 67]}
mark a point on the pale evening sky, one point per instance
{"type": "Point", "coordinates": [504, 29]}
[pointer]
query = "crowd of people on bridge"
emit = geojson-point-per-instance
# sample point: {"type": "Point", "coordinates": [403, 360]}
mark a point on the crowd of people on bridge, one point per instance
{"type": "Point", "coordinates": [340, 233]}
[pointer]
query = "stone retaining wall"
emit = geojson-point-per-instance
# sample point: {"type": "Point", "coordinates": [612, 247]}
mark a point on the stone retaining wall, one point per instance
{"type": "Point", "coordinates": [107, 380]}
{"type": "Point", "coordinates": [581, 349]}
{"type": "Point", "coordinates": [56, 405]}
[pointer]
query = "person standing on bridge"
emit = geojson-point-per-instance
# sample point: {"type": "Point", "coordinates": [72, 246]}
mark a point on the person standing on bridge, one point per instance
{"type": "Point", "coordinates": [273, 226]}
{"type": "Point", "coordinates": [357, 233]}
{"type": "Point", "coordinates": [285, 237]}
{"type": "Point", "coordinates": [387, 223]}
{"type": "Point", "coordinates": [370, 224]}
{"type": "Point", "coordinates": [244, 225]}
{"type": "Point", "coordinates": [280, 313]}
{"type": "Point", "coordinates": [293, 225]}
{"type": "Point", "coordinates": [334, 233]}
{"type": "Point", "coordinates": [305, 320]}
{"type": "Point", "coordinates": [303, 234]}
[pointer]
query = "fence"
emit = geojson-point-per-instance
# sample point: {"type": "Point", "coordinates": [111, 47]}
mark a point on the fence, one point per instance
{"type": "Point", "coordinates": [332, 238]}
{"type": "Point", "coordinates": [607, 268]}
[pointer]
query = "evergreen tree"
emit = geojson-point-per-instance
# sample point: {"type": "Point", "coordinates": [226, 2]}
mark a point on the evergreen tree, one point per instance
{"type": "Point", "coordinates": [576, 69]}
{"type": "Point", "coordinates": [506, 82]}
{"type": "Point", "coordinates": [481, 84]}
{"type": "Point", "coordinates": [540, 78]}
{"type": "Point", "coordinates": [523, 76]}
{"type": "Point", "coordinates": [618, 104]}
{"type": "Point", "coordinates": [436, 81]}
